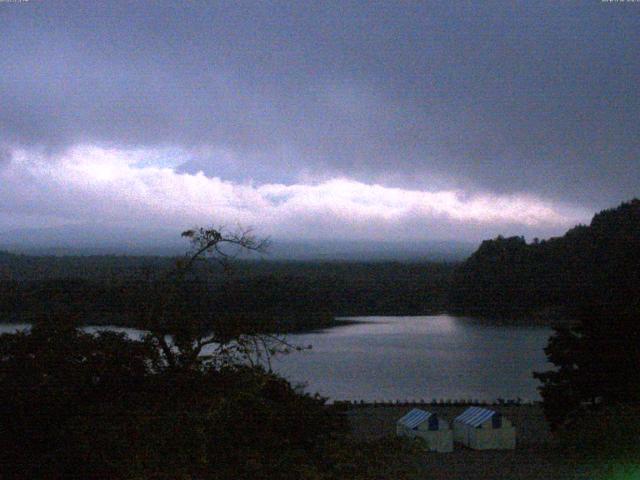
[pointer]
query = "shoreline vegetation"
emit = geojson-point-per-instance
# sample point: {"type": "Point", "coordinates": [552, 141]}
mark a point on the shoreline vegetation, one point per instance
{"type": "Point", "coordinates": [548, 279]}
{"type": "Point", "coordinates": [506, 281]}
{"type": "Point", "coordinates": [295, 296]}
{"type": "Point", "coordinates": [167, 401]}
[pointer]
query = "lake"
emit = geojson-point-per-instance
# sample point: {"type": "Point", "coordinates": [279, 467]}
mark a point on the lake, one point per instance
{"type": "Point", "coordinates": [413, 358]}
{"type": "Point", "coordinates": [441, 356]}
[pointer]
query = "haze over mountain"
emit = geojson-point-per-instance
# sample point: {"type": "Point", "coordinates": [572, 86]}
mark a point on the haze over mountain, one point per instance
{"type": "Point", "coordinates": [358, 121]}
{"type": "Point", "coordinates": [94, 240]}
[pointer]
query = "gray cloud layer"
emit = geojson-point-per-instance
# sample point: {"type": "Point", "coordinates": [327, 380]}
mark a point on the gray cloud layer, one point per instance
{"type": "Point", "coordinates": [119, 188]}
{"type": "Point", "coordinates": [501, 97]}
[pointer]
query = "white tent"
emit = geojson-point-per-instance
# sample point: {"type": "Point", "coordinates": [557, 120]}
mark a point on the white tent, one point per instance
{"type": "Point", "coordinates": [483, 429]}
{"type": "Point", "coordinates": [428, 426]}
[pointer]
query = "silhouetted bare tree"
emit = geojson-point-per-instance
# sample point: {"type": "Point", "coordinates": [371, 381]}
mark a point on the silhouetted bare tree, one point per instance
{"type": "Point", "coordinates": [187, 328]}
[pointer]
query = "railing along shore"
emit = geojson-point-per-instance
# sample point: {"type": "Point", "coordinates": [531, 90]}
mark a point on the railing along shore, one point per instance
{"type": "Point", "coordinates": [433, 403]}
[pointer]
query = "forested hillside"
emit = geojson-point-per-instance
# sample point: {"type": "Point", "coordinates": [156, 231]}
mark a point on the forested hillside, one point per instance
{"type": "Point", "coordinates": [300, 295]}
{"type": "Point", "coordinates": [507, 277]}
{"type": "Point", "coordinates": [504, 278]}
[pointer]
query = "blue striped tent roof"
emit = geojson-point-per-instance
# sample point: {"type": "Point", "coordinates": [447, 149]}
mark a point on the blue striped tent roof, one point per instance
{"type": "Point", "coordinates": [475, 416]}
{"type": "Point", "coordinates": [414, 418]}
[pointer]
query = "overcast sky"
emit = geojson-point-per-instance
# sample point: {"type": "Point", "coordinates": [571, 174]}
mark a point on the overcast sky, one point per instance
{"type": "Point", "coordinates": [408, 120]}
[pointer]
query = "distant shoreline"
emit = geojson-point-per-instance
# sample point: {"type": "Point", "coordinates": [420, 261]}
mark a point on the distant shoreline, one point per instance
{"type": "Point", "coordinates": [341, 321]}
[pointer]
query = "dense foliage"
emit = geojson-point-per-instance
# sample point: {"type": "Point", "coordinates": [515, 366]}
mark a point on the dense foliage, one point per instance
{"type": "Point", "coordinates": [191, 398]}
{"type": "Point", "coordinates": [597, 356]}
{"type": "Point", "coordinates": [106, 290]}
{"type": "Point", "coordinates": [590, 279]}
{"type": "Point", "coordinates": [75, 405]}
{"type": "Point", "coordinates": [104, 406]}
{"type": "Point", "coordinates": [509, 278]}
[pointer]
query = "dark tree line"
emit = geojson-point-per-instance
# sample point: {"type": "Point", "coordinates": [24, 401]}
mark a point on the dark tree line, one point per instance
{"type": "Point", "coordinates": [193, 398]}
{"type": "Point", "coordinates": [598, 355]}
{"type": "Point", "coordinates": [300, 295]}
{"type": "Point", "coordinates": [507, 277]}
{"type": "Point", "coordinates": [590, 279]}
{"type": "Point", "coordinates": [81, 406]}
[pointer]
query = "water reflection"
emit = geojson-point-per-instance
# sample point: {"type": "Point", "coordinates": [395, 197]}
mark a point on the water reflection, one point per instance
{"type": "Point", "coordinates": [388, 358]}
{"type": "Point", "coordinates": [419, 357]}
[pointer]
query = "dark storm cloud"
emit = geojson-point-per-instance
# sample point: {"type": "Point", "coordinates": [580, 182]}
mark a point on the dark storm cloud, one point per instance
{"type": "Point", "coordinates": [499, 96]}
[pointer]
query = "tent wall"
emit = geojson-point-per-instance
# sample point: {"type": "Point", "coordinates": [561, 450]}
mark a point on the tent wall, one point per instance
{"type": "Point", "coordinates": [460, 433]}
{"type": "Point", "coordinates": [437, 441]}
{"type": "Point", "coordinates": [485, 437]}
{"type": "Point", "coordinates": [494, 439]}
{"type": "Point", "coordinates": [440, 440]}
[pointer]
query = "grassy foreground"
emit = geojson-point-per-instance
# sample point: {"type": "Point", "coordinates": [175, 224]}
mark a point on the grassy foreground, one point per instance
{"type": "Point", "coordinates": [536, 456]}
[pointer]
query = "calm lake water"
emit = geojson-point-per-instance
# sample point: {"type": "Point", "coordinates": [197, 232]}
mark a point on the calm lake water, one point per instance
{"type": "Point", "coordinates": [389, 358]}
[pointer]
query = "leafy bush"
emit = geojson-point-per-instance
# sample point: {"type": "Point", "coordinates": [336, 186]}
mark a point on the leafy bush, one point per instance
{"type": "Point", "coordinates": [76, 405]}
{"type": "Point", "coordinates": [612, 432]}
